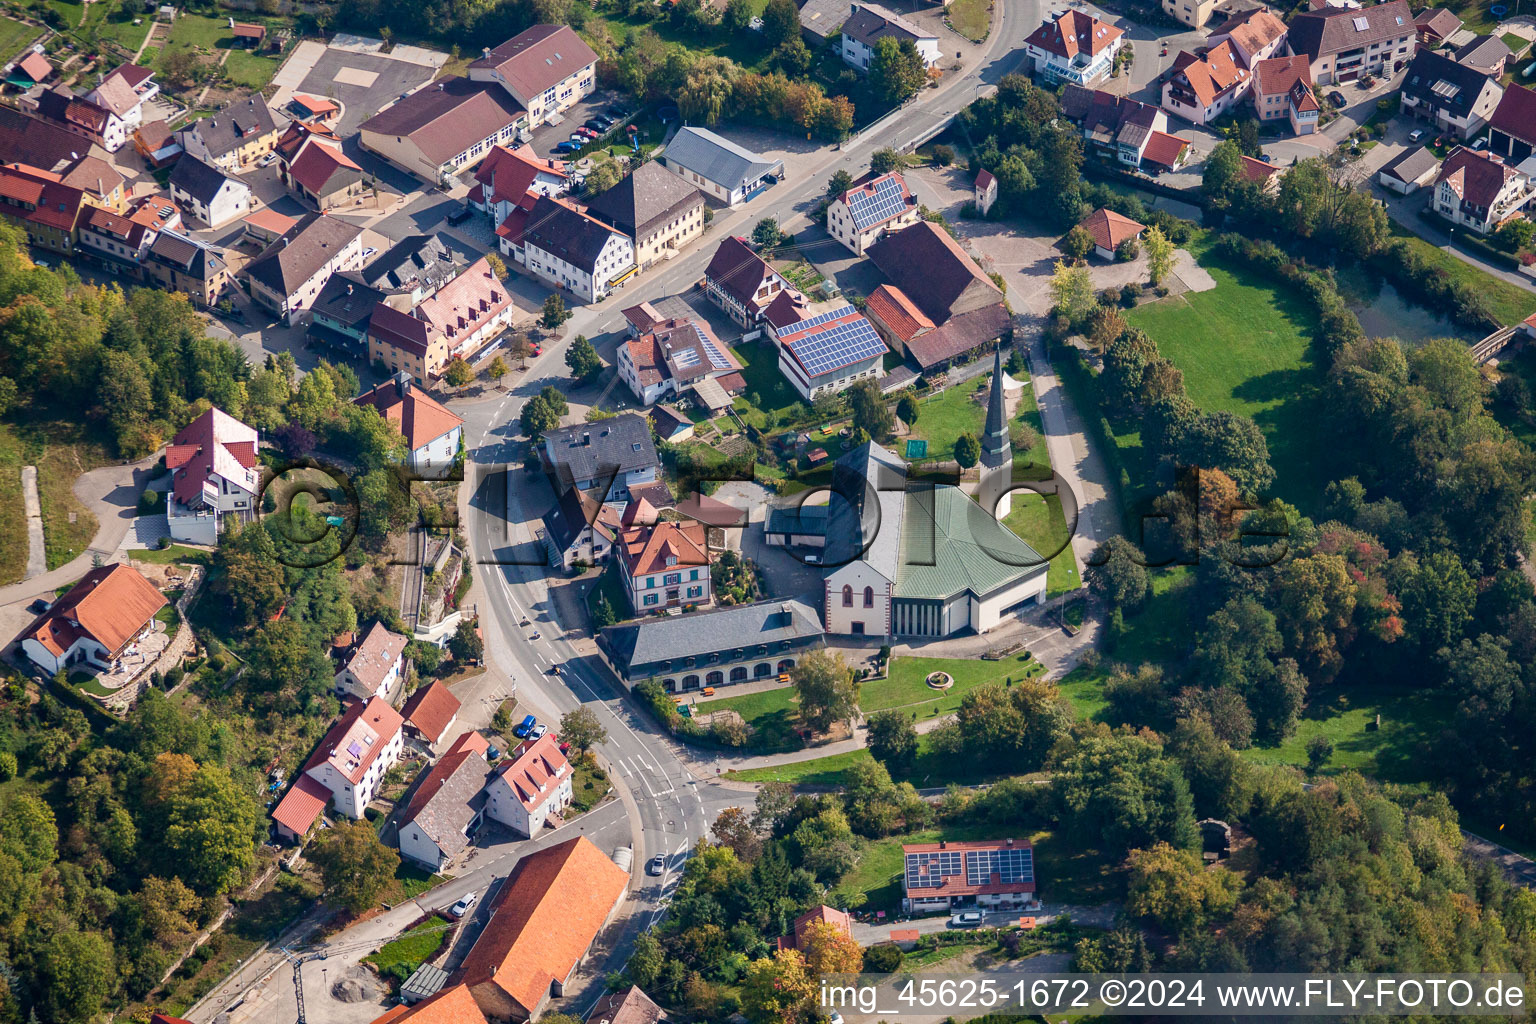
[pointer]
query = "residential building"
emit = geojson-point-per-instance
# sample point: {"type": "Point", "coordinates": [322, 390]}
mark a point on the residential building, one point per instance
{"type": "Point", "coordinates": [510, 178]}
{"type": "Point", "coordinates": [433, 435]}
{"type": "Point", "coordinates": [1435, 25]}
{"type": "Point", "coordinates": [452, 1005]}
{"type": "Point", "coordinates": [988, 874]}
{"type": "Point", "coordinates": [181, 264]}
{"type": "Point", "coordinates": [875, 205]}
{"type": "Point", "coordinates": [626, 1006]}
{"type": "Point", "coordinates": [665, 565]}
{"type": "Point", "coordinates": [1202, 88]}
{"type": "Point", "coordinates": [241, 132]}
{"type": "Point", "coordinates": [312, 108]}
{"type": "Point", "coordinates": [266, 225]}
{"type": "Point", "coordinates": [444, 128]}
{"type": "Point", "coordinates": [1512, 126]}
{"type": "Point", "coordinates": [32, 68]}
{"type": "Point", "coordinates": [1486, 55]}
{"type": "Point", "coordinates": [1255, 35]}
{"type": "Point", "coordinates": [658, 211]}
{"type": "Point", "coordinates": [46, 209]}
{"type": "Point", "coordinates": [1073, 47]}
{"type": "Point", "coordinates": [348, 766]}
{"type": "Point", "coordinates": [430, 713]}
{"type": "Point", "coordinates": [81, 117]}
{"type": "Point", "coordinates": [340, 315]}
{"type": "Point", "coordinates": [530, 790]}
{"type": "Point", "coordinates": [1342, 44]}
{"type": "Point", "coordinates": [1452, 97]}
{"type": "Point", "coordinates": [1282, 88]}
{"type": "Point", "coordinates": [741, 282]}
{"type": "Point", "coordinates": [984, 191]}
{"type": "Point", "coordinates": [616, 451]}
{"type": "Point", "coordinates": [457, 321]}
{"type": "Point", "coordinates": [828, 353]}
{"type": "Point", "coordinates": [214, 474]}
{"type": "Point", "coordinates": [1163, 152]}
{"type": "Point", "coordinates": [47, 147]}
{"type": "Point", "coordinates": [1265, 176]}
{"type": "Point", "coordinates": [571, 250]}
{"type": "Point", "coordinates": [1479, 190]}
{"type": "Point", "coordinates": [296, 136]}
{"type": "Point", "coordinates": [1109, 230]}
{"type": "Point", "coordinates": [1115, 127]}
{"type": "Point", "coordinates": [938, 304]}
{"type": "Point", "coordinates": [678, 356]}
{"type": "Point", "coordinates": [716, 648]}
{"type": "Point", "coordinates": [820, 20]}
{"type": "Point", "coordinates": [546, 69]}
{"type": "Point", "coordinates": [95, 622]}
{"type": "Point", "coordinates": [124, 91]}
{"type": "Point", "coordinates": [116, 239]}
{"type": "Point", "coordinates": [580, 528]}
{"type": "Point", "coordinates": [800, 931]}
{"type": "Point", "coordinates": [374, 668]}
{"type": "Point", "coordinates": [322, 174]}
{"type": "Point", "coordinates": [931, 563]}
{"type": "Point", "coordinates": [208, 194]}
{"type": "Point", "coordinates": [445, 810]}
{"type": "Point", "coordinates": [411, 269]}
{"type": "Point", "coordinates": [543, 919]}
{"type": "Point", "coordinates": [719, 167]}
{"type": "Point", "coordinates": [1412, 169]}
{"type": "Point", "coordinates": [1193, 13]}
{"type": "Point", "coordinates": [867, 24]}
{"type": "Point", "coordinates": [287, 276]}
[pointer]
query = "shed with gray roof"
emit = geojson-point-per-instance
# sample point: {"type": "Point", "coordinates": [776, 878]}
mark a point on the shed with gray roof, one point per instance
{"type": "Point", "coordinates": [717, 166]}
{"type": "Point", "coordinates": [732, 645]}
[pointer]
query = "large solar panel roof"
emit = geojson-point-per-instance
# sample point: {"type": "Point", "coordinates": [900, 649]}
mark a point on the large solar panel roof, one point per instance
{"type": "Point", "coordinates": [871, 206]}
{"type": "Point", "coordinates": [1010, 865]}
{"type": "Point", "coordinates": [928, 870]}
{"type": "Point", "coordinates": [830, 341]}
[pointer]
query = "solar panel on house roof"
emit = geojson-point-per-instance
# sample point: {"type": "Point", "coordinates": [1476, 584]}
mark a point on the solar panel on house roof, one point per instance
{"type": "Point", "coordinates": [869, 208]}
{"type": "Point", "coordinates": [928, 870]}
{"type": "Point", "coordinates": [715, 355]}
{"type": "Point", "coordinates": [822, 349]}
{"type": "Point", "coordinates": [686, 357]}
{"type": "Point", "coordinates": [1010, 865]}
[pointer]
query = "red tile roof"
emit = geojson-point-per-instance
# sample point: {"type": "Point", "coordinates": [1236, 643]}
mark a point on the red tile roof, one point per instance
{"type": "Point", "coordinates": [538, 767]}
{"type": "Point", "coordinates": [431, 710]}
{"type": "Point", "coordinates": [301, 805]}
{"type": "Point", "coordinates": [471, 740]}
{"type": "Point", "coordinates": [110, 604]}
{"type": "Point", "coordinates": [957, 884]}
{"type": "Point", "coordinates": [544, 919]}
{"type": "Point", "coordinates": [271, 221]}
{"type": "Point", "coordinates": [1516, 113]}
{"type": "Point", "coordinates": [898, 313]}
{"type": "Point", "coordinates": [357, 738]}
{"type": "Point", "coordinates": [316, 106]}
{"type": "Point", "coordinates": [662, 546]}
{"type": "Point", "coordinates": [823, 914]}
{"type": "Point", "coordinates": [318, 163]}
{"type": "Point", "coordinates": [49, 202]}
{"type": "Point", "coordinates": [213, 445]}
{"type": "Point", "coordinates": [538, 59]}
{"type": "Point", "coordinates": [1255, 30]}
{"type": "Point", "coordinates": [1215, 73]}
{"type": "Point", "coordinates": [450, 1006]}
{"type": "Point", "coordinates": [1072, 33]}
{"type": "Point", "coordinates": [1279, 75]}
{"type": "Point", "coordinates": [1164, 149]}
{"type": "Point", "coordinates": [1476, 178]}
{"type": "Point", "coordinates": [1257, 170]}
{"type": "Point", "coordinates": [419, 416]}
{"type": "Point", "coordinates": [1109, 228]}
{"type": "Point", "coordinates": [508, 174]}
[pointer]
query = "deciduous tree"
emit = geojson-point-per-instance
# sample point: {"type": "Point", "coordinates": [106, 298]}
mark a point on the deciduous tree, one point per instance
{"type": "Point", "coordinates": [893, 741]}
{"type": "Point", "coordinates": [354, 866]}
{"type": "Point", "coordinates": [826, 687]}
{"type": "Point", "coordinates": [581, 728]}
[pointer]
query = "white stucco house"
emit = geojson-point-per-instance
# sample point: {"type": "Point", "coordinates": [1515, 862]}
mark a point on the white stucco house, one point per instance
{"type": "Point", "coordinates": [446, 809]}
{"type": "Point", "coordinates": [96, 622]}
{"type": "Point", "coordinates": [532, 788]}
{"type": "Point", "coordinates": [375, 667]}
{"type": "Point", "coordinates": [214, 474]}
{"type": "Point", "coordinates": [867, 24]}
{"type": "Point", "coordinates": [432, 433]}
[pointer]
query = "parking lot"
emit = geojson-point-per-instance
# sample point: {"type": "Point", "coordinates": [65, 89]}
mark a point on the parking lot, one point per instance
{"type": "Point", "coordinates": [547, 136]}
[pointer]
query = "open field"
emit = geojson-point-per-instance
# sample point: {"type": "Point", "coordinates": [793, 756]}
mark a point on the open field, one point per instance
{"type": "Point", "coordinates": [971, 18]}
{"type": "Point", "coordinates": [61, 452]}
{"type": "Point", "coordinates": [907, 687]}
{"type": "Point", "coordinates": [13, 36]}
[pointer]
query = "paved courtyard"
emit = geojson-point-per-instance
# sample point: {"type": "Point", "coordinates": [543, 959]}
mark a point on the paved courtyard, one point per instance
{"type": "Point", "coordinates": [363, 83]}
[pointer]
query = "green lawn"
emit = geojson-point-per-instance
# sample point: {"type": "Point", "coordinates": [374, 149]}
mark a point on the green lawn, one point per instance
{"type": "Point", "coordinates": [907, 686]}
{"type": "Point", "coordinates": [1510, 302]}
{"type": "Point", "coordinates": [971, 18]}
{"type": "Point", "coordinates": [175, 553]}
{"type": "Point", "coordinates": [1243, 347]}
{"type": "Point", "coordinates": [958, 410]}
{"type": "Point", "coordinates": [88, 684]}
{"type": "Point", "coordinates": [771, 714]}
{"type": "Point", "coordinates": [1410, 720]}
{"type": "Point", "coordinates": [13, 518]}
{"type": "Point", "coordinates": [13, 36]}
{"type": "Point", "coordinates": [198, 30]}
{"type": "Point", "coordinates": [402, 956]}
{"type": "Point", "coordinates": [760, 369]}
{"type": "Point", "coordinates": [1515, 43]}
{"type": "Point", "coordinates": [107, 20]}
{"type": "Point", "coordinates": [249, 70]}
{"type": "Point", "coordinates": [588, 786]}
{"type": "Point", "coordinates": [1038, 519]}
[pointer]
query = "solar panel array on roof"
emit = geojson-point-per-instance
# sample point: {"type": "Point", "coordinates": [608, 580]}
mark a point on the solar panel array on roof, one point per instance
{"type": "Point", "coordinates": [814, 322]}
{"type": "Point", "coordinates": [928, 870]}
{"type": "Point", "coordinates": [713, 351]}
{"type": "Point", "coordinates": [869, 208]}
{"type": "Point", "coordinates": [686, 357]}
{"type": "Point", "coordinates": [822, 351]}
{"type": "Point", "coordinates": [1010, 865]}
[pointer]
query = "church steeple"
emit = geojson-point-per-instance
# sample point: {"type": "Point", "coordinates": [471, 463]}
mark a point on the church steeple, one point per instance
{"type": "Point", "coordinates": [996, 450]}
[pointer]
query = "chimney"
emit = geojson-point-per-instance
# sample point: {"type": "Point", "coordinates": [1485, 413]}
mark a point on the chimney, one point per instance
{"type": "Point", "coordinates": [1008, 842]}
{"type": "Point", "coordinates": [586, 438]}
{"type": "Point", "coordinates": [943, 844]}
{"type": "Point", "coordinates": [485, 51]}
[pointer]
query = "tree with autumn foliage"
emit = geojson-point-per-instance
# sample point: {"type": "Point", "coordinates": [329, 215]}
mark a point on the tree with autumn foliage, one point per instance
{"type": "Point", "coordinates": [829, 949]}
{"type": "Point", "coordinates": [779, 989]}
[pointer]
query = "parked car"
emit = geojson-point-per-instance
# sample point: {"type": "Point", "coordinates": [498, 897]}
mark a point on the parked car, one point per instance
{"type": "Point", "coordinates": [596, 125]}
{"type": "Point", "coordinates": [370, 252]}
{"type": "Point", "coordinates": [618, 110]}
{"type": "Point", "coordinates": [1336, 98]}
{"type": "Point", "coordinates": [966, 919]}
{"type": "Point", "coordinates": [1481, 143]}
{"type": "Point", "coordinates": [567, 147]}
{"type": "Point", "coordinates": [656, 865]}
{"type": "Point", "coordinates": [1416, 135]}
{"type": "Point", "coordinates": [525, 727]}
{"type": "Point", "coordinates": [266, 161]}
{"type": "Point", "coordinates": [460, 215]}
{"type": "Point", "coordinates": [461, 908]}
{"type": "Point", "coordinates": [537, 732]}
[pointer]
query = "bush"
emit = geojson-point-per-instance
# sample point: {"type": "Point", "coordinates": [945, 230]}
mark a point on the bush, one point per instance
{"type": "Point", "coordinates": [943, 156]}
{"type": "Point", "coordinates": [149, 502]}
{"type": "Point", "coordinates": [1127, 250]}
{"type": "Point", "coordinates": [1129, 294]}
{"type": "Point", "coordinates": [884, 958]}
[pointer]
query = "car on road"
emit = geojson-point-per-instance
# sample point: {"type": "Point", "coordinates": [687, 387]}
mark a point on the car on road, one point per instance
{"type": "Point", "coordinates": [525, 726]}
{"type": "Point", "coordinates": [656, 865]}
{"type": "Point", "coordinates": [461, 908]}
{"type": "Point", "coordinates": [1416, 135]}
{"type": "Point", "coordinates": [966, 919]}
{"type": "Point", "coordinates": [1336, 98]}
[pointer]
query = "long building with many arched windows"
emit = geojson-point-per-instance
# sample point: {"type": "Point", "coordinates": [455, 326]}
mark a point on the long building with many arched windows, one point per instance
{"type": "Point", "coordinates": [733, 645]}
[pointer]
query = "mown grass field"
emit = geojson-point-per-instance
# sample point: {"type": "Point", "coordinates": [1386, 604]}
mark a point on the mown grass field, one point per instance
{"type": "Point", "coordinates": [906, 687]}
{"type": "Point", "coordinates": [971, 18]}
{"type": "Point", "coordinates": [13, 36]}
